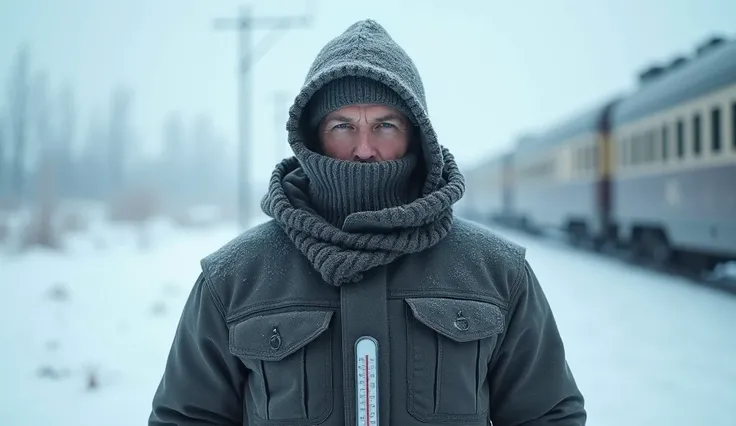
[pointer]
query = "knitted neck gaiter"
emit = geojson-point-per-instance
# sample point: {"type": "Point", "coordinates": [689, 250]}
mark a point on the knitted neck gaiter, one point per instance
{"type": "Point", "coordinates": [367, 238]}
{"type": "Point", "coordinates": [338, 188]}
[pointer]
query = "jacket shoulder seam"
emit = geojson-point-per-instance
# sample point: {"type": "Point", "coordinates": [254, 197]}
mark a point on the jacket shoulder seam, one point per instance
{"type": "Point", "coordinates": [516, 286]}
{"type": "Point", "coordinates": [213, 293]}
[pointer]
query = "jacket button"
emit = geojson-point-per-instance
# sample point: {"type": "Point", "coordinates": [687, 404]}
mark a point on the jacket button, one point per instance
{"type": "Point", "coordinates": [461, 323]}
{"type": "Point", "coordinates": [275, 340]}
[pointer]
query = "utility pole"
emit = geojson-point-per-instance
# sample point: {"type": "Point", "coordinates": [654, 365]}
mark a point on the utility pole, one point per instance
{"type": "Point", "coordinates": [280, 114]}
{"type": "Point", "coordinates": [245, 24]}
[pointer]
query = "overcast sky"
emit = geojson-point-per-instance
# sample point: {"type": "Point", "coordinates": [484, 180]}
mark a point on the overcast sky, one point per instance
{"type": "Point", "coordinates": [491, 69]}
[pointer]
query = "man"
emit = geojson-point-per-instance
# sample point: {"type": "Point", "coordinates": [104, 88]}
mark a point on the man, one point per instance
{"type": "Point", "coordinates": [364, 301]}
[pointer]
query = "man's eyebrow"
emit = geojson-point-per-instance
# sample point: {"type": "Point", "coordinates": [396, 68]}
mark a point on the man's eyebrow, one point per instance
{"type": "Point", "coordinates": [344, 118]}
{"type": "Point", "coordinates": [389, 117]}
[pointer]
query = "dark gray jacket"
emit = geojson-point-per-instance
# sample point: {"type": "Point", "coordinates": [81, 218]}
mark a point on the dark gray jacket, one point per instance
{"type": "Point", "coordinates": [472, 338]}
{"type": "Point", "coordinates": [465, 334]}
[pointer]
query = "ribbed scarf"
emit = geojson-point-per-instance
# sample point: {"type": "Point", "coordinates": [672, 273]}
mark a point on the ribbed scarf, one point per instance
{"type": "Point", "coordinates": [349, 217]}
{"type": "Point", "coordinates": [338, 189]}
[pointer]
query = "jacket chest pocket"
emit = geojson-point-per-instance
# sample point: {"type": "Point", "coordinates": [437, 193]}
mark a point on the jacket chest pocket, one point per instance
{"type": "Point", "coordinates": [289, 355]}
{"type": "Point", "coordinates": [450, 342]}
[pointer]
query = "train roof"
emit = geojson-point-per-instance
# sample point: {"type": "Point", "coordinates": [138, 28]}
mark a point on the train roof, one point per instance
{"type": "Point", "coordinates": [588, 121]}
{"type": "Point", "coordinates": [712, 68]}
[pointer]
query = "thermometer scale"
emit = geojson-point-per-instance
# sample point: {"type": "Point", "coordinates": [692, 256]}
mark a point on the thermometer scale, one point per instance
{"type": "Point", "coordinates": [366, 368]}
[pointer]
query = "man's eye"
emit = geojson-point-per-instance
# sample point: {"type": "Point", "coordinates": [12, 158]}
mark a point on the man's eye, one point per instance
{"type": "Point", "coordinates": [341, 126]}
{"type": "Point", "coordinates": [387, 126]}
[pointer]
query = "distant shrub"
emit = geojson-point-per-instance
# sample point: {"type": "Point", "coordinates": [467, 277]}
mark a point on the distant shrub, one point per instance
{"type": "Point", "coordinates": [4, 230]}
{"type": "Point", "coordinates": [135, 205]}
{"type": "Point", "coordinates": [40, 229]}
{"type": "Point", "coordinates": [73, 222]}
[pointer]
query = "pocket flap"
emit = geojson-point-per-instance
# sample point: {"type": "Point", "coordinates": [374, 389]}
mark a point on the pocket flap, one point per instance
{"type": "Point", "coordinates": [273, 337]}
{"type": "Point", "coordinates": [459, 320]}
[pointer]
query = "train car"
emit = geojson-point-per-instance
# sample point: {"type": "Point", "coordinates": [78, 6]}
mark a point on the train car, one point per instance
{"type": "Point", "coordinates": [487, 189]}
{"type": "Point", "coordinates": [560, 176]}
{"type": "Point", "coordinates": [507, 211]}
{"type": "Point", "coordinates": [673, 187]}
{"type": "Point", "coordinates": [471, 204]}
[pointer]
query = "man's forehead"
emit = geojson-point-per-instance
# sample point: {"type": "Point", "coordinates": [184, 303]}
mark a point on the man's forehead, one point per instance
{"type": "Point", "coordinates": [371, 112]}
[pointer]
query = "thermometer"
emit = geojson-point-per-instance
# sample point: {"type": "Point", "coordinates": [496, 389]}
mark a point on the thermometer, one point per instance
{"type": "Point", "coordinates": [366, 368]}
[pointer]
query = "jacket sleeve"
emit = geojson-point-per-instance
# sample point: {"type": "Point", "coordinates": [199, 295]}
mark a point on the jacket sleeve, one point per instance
{"type": "Point", "coordinates": [531, 382]}
{"type": "Point", "coordinates": [202, 382]}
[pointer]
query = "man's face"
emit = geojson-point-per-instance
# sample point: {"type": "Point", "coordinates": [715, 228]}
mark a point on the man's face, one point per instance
{"type": "Point", "coordinates": [365, 133]}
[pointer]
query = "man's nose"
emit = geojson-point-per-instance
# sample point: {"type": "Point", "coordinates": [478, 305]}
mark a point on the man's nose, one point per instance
{"type": "Point", "coordinates": [364, 149]}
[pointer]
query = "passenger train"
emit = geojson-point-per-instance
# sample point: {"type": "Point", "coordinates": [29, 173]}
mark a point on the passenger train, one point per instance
{"type": "Point", "coordinates": [652, 171]}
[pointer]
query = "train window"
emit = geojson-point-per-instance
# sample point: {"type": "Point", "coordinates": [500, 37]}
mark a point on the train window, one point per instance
{"type": "Point", "coordinates": [715, 127]}
{"type": "Point", "coordinates": [634, 150]}
{"type": "Point", "coordinates": [656, 141]}
{"type": "Point", "coordinates": [650, 146]}
{"type": "Point", "coordinates": [589, 158]}
{"type": "Point", "coordinates": [594, 157]}
{"type": "Point", "coordinates": [643, 148]}
{"type": "Point", "coordinates": [733, 124]}
{"type": "Point", "coordinates": [665, 142]}
{"type": "Point", "coordinates": [622, 152]}
{"type": "Point", "coordinates": [638, 151]}
{"type": "Point", "coordinates": [696, 134]}
{"type": "Point", "coordinates": [630, 156]}
{"type": "Point", "coordinates": [680, 138]}
{"type": "Point", "coordinates": [584, 159]}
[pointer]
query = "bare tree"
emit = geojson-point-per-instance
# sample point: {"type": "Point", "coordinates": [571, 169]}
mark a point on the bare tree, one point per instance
{"type": "Point", "coordinates": [92, 174]}
{"type": "Point", "coordinates": [41, 230]}
{"type": "Point", "coordinates": [18, 88]}
{"type": "Point", "coordinates": [3, 167]}
{"type": "Point", "coordinates": [203, 159]}
{"type": "Point", "coordinates": [66, 132]}
{"type": "Point", "coordinates": [119, 138]}
{"type": "Point", "coordinates": [43, 157]}
{"type": "Point", "coordinates": [224, 173]}
{"type": "Point", "coordinates": [173, 157]}
{"type": "Point", "coordinates": [41, 113]}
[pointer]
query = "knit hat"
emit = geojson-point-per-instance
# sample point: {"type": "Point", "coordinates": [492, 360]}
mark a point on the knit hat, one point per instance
{"type": "Point", "coordinates": [352, 90]}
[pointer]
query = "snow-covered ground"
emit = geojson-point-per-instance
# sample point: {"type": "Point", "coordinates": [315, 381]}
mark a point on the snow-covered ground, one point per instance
{"type": "Point", "coordinates": [104, 310]}
{"type": "Point", "coordinates": [646, 349]}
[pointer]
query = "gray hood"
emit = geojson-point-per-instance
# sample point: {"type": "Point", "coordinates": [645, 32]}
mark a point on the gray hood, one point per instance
{"type": "Point", "coordinates": [367, 237]}
{"type": "Point", "coordinates": [366, 49]}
